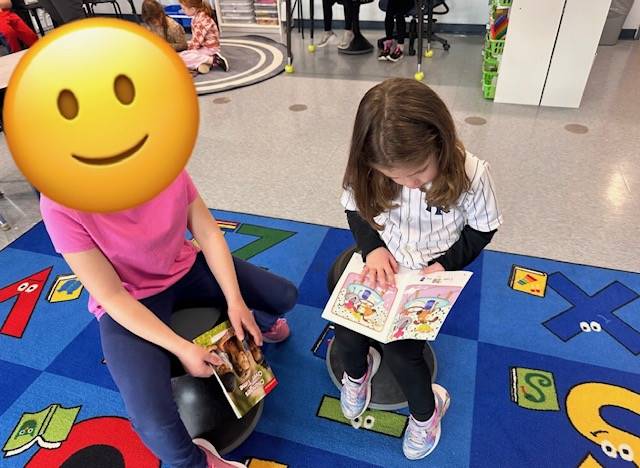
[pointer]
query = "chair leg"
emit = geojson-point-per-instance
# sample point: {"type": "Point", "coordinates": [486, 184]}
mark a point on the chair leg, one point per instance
{"type": "Point", "coordinates": [442, 40]}
{"type": "Point", "coordinates": [117, 9]}
{"type": "Point", "coordinates": [413, 34]}
{"type": "Point", "coordinates": [4, 224]}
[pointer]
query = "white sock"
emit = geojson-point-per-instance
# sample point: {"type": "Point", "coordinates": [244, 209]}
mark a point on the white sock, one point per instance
{"type": "Point", "coordinates": [429, 422]}
{"type": "Point", "coordinates": [358, 381]}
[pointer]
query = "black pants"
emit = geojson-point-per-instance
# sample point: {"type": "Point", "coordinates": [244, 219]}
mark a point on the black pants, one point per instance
{"type": "Point", "coordinates": [327, 13]}
{"type": "Point", "coordinates": [400, 23]}
{"type": "Point", "coordinates": [404, 358]}
{"type": "Point", "coordinates": [63, 11]}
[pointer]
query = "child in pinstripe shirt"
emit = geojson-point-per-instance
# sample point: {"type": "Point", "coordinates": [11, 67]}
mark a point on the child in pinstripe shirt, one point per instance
{"type": "Point", "coordinates": [203, 50]}
{"type": "Point", "coordinates": [413, 197]}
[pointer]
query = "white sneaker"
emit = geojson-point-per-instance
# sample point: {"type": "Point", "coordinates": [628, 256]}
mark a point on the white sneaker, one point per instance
{"type": "Point", "coordinates": [420, 439]}
{"type": "Point", "coordinates": [355, 397]}
{"type": "Point", "coordinates": [204, 68]}
{"type": "Point", "coordinates": [326, 38]}
{"type": "Point", "coordinates": [345, 42]}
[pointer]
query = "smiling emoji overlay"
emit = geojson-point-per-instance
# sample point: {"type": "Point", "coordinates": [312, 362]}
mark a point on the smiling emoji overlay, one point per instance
{"type": "Point", "coordinates": [101, 115]}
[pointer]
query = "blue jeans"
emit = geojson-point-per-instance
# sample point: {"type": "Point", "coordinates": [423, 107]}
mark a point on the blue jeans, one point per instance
{"type": "Point", "coordinates": [142, 370]}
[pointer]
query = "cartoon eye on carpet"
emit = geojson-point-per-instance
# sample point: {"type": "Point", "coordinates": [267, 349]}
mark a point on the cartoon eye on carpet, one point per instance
{"type": "Point", "coordinates": [585, 403]}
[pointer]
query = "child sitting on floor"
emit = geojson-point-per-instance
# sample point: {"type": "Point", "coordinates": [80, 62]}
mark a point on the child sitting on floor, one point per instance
{"type": "Point", "coordinates": [155, 20]}
{"type": "Point", "coordinates": [203, 50]}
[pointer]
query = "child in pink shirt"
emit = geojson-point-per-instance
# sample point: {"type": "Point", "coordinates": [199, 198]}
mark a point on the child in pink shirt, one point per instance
{"type": "Point", "coordinates": [203, 50]}
{"type": "Point", "coordinates": [138, 267]}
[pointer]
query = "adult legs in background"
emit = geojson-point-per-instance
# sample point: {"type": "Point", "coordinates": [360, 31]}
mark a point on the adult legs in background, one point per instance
{"type": "Point", "coordinates": [327, 17]}
{"type": "Point", "coordinates": [349, 15]}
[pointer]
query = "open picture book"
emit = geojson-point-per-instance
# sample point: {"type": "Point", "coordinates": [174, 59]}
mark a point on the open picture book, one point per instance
{"type": "Point", "coordinates": [48, 428]}
{"type": "Point", "coordinates": [240, 368]}
{"type": "Point", "coordinates": [415, 309]}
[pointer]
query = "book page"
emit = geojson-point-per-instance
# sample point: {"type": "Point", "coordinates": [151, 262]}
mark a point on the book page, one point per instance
{"type": "Point", "coordinates": [362, 303]}
{"type": "Point", "coordinates": [425, 303]}
{"type": "Point", "coordinates": [360, 306]}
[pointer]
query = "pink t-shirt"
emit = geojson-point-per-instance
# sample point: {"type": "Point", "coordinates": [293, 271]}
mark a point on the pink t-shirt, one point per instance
{"type": "Point", "coordinates": [146, 245]}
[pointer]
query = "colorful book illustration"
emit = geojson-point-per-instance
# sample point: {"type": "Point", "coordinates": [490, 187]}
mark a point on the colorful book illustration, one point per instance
{"type": "Point", "coordinates": [48, 428]}
{"type": "Point", "coordinates": [415, 309]}
{"type": "Point", "coordinates": [241, 368]}
{"type": "Point", "coordinates": [65, 288]}
{"type": "Point", "coordinates": [533, 389]}
{"type": "Point", "coordinates": [528, 281]}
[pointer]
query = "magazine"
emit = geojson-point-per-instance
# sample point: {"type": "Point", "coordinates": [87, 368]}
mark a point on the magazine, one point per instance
{"type": "Point", "coordinates": [415, 309]}
{"type": "Point", "coordinates": [241, 368]}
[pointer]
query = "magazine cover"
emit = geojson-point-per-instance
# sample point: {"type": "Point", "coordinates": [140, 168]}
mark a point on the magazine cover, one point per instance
{"type": "Point", "coordinates": [240, 367]}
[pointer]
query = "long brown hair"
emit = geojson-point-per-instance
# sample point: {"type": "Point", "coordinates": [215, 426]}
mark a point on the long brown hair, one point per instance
{"type": "Point", "coordinates": [200, 5]}
{"type": "Point", "coordinates": [153, 10]}
{"type": "Point", "coordinates": [401, 123]}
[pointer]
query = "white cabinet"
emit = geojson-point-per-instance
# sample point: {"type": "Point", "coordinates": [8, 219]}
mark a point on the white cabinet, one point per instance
{"type": "Point", "coordinates": [549, 51]}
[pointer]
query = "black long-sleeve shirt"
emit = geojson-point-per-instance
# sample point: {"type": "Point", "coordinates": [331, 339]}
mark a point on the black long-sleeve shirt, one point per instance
{"type": "Point", "coordinates": [459, 255]}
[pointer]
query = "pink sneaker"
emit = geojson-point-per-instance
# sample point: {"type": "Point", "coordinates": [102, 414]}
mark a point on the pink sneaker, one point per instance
{"type": "Point", "coordinates": [213, 459]}
{"type": "Point", "coordinates": [277, 333]}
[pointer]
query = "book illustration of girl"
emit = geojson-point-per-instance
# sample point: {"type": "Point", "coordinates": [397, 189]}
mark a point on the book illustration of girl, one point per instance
{"type": "Point", "coordinates": [239, 359]}
{"type": "Point", "coordinates": [401, 325]}
{"type": "Point", "coordinates": [256, 352]}
{"type": "Point", "coordinates": [224, 368]}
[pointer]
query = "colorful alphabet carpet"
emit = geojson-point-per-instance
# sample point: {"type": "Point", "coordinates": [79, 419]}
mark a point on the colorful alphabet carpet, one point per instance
{"type": "Point", "coordinates": [541, 359]}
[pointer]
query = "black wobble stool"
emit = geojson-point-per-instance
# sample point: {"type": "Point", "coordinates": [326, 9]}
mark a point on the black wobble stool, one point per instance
{"type": "Point", "coordinates": [203, 407]}
{"type": "Point", "coordinates": [385, 391]}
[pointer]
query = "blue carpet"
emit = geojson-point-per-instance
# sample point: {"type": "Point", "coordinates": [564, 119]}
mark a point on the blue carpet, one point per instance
{"type": "Point", "coordinates": [581, 338]}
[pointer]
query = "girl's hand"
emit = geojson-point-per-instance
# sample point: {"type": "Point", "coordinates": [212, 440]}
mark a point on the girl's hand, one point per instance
{"type": "Point", "coordinates": [381, 267]}
{"type": "Point", "coordinates": [242, 319]}
{"type": "Point", "coordinates": [197, 361]}
{"type": "Point", "coordinates": [432, 268]}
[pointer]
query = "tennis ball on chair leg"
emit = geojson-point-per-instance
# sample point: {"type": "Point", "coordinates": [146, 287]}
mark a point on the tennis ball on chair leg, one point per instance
{"type": "Point", "coordinates": [311, 48]}
{"type": "Point", "coordinates": [428, 53]}
{"type": "Point", "coordinates": [419, 76]}
{"type": "Point", "coordinates": [289, 68]}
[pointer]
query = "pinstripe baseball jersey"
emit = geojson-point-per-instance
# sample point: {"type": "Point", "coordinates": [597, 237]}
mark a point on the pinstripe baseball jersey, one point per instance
{"type": "Point", "coordinates": [416, 233]}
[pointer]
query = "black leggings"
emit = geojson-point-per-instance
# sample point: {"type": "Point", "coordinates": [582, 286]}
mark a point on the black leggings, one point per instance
{"type": "Point", "coordinates": [327, 12]}
{"type": "Point", "coordinates": [404, 358]}
{"type": "Point", "coordinates": [401, 24]}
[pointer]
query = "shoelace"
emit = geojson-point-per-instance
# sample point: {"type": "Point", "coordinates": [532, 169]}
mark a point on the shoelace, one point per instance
{"type": "Point", "coordinates": [417, 434]}
{"type": "Point", "coordinates": [351, 394]}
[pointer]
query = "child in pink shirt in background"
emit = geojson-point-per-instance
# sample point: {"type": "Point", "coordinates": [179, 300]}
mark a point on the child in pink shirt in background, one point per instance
{"type": "Point", "coordinates": [203, 50]}
{"type": "Point", "coordinates": [138, 268]}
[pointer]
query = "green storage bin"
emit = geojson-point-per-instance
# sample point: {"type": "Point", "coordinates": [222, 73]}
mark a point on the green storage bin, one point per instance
{"type": "Point", "coordinates": [489, 91]}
